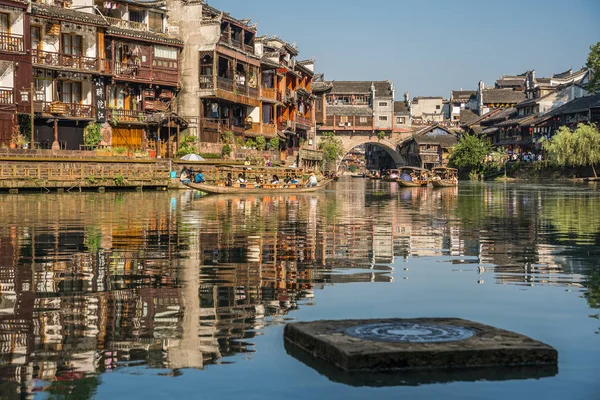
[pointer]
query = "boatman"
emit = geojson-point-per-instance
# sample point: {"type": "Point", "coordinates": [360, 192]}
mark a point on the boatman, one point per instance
{"type": "Point", "coordinates": [312, 180]}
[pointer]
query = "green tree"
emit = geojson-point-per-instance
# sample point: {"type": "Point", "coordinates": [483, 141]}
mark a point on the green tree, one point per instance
{"type": "Point", "coordinates": [227, 137]}
{"type": "Point", "coordinates": [578, 148]}
{"type": "Point", "coordinates": [352, 168]}
{"type": "Point", "coordinates": [188, 146]}
{"type": "Point", "coordinates": [274, 143]}
{"type": "Point", "coordinates": [332, 147]}
{"type": "Point", "coordinates": [469, 153]}
{"type": "Point", "coordinates": [261, 143]}
{"type": "Point", "coordinates": [92, 134]}
{"type": "Point", "coordinates": [250, 143]}
{"type": "Point", "coordinates": [593, 63]}
{"type": "Point", "coordinates": [380, 135]}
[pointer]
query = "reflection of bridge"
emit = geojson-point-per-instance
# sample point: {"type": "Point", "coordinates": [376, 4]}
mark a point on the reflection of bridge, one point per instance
{"type": "Point", "coordinates": [391, 143]}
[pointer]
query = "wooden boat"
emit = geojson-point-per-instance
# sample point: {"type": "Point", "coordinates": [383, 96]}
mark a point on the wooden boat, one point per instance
{"type": "Point", "coordinates": [252, 189]}
{"type": "Point", "coordinates": [357, 175]}
{"type": "Point", "coordinates": [416, 174]}
{"type": "Point", "coordinates": [444, 177]}
{"type": "Point", "coordinates": [217, 185]}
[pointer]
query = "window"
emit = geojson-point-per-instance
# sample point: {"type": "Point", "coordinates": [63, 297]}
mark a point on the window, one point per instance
{"type": "Point", "coordinates": [319, 105]}
{"type": "Point", "coordinates": [70, 92]}
{"type": "Point", "coordinates": [344, 118]}
{"type": "Point", "coordinates": [383, 118]}
{"type": "Point", "coordinates": [363, 120]}
{"type": "Point", "coordinates": [71, 44]}
{"type": "Point", "coordinates": [383, 104]}
{"type": "Point", "coordinates": [155, 22]}
{"type": "Point", "coordinates": [4, 26]}
{"type": "Point", "coordinates": [437, 107]}
{"type": "Point", "coordinates": [36, 38]}
{"type": "Point", "coordinates": [136, 15]}
{"type": "Point", "coordinates": [399, 120]}
{"type": "Point", "coordinates": [170, 53]}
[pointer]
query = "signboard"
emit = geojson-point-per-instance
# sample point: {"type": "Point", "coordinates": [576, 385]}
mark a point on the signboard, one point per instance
{"type": "Point", "coordinates": [100, 99]}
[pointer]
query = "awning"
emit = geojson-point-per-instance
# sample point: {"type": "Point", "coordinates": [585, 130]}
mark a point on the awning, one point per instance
{"type": "Point", "coordinates": [281, 134]}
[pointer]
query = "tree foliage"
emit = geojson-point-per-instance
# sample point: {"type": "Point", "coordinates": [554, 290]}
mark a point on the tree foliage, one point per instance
{"type": "Point", "coordinates": [593, 63]}
{"type": "Point", "coordinates": [332, 147]}
{"type": "Point", "coordinates": [261, 143]}
{"type": "Point", "coordinates": [188, 146]}
{"type": "Point", "coordinates": [274, 143]}
{"type": "Point", "coordinates": [92, 134]}
{"type": "Point", "coordinates": [469, 152]}
{"type": "Point", "coordinates": [574, 148]}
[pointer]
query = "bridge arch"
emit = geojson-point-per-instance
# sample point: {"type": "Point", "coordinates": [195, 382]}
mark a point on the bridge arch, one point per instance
{"type": "Point", "coordinates": [390, 146]}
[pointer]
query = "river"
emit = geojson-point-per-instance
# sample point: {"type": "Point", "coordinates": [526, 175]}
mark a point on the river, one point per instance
{"type": "Point", "coordinates": [176, 295]}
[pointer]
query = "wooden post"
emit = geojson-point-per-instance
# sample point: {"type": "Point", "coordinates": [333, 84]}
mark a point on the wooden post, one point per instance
{"type": "Point", "coordinates": [31, 89]}
{"type": "Point", "coordinates": [55, 144]}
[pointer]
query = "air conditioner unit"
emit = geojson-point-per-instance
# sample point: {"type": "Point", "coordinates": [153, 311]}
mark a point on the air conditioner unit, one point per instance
{"type": "Point", "coordinates": [349, 124]}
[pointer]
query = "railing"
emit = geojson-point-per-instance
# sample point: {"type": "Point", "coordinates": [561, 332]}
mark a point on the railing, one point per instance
{"type": "Point", "coordinates": [11, 42]}
{"type": "Point", "coordinates": [236, 43]}
{"type": "Point", "coordinates": [132, 70]}
{"type": "Point", "coordinates": [248, 48]}
{"type": "Point", "coordinates": [269, 129]}
{"type": "Point", "coordinates": [128, 115]}
{"type": "Point", "coordinates": [252, 92]}
{"type": "Point", "coordinates": [216, 124]}
{"type": "Point", "coordinates": [269, 93]}
{"type": "Point", "coordinates": [303, 121]}
{"type": "Point", "coordinates": [42, 57]}
{"type": "Point", "coordinates": [165, 74]}
{"type": "Point", "coordinates": [225, 84]}
{"type": "Point", "coordinates": [206, 82]}
{"type": "Point", "coordinates": [6, 95]}
{"type": "Point", "coordinates": [74, 110]}
{"type": "Point", "coordinates": [156, 105]}
{"type": "Point", "coordinates": [255, 128]}
{"type": "Point", "coordinates": [123, 23]}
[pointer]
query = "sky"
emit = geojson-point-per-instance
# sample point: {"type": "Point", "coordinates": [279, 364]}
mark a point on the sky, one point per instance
{"type": "Point", "coordinates": [429, 47]}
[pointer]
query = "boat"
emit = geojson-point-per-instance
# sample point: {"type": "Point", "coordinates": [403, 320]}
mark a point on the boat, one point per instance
{"type": "Point", "coordinates": [255, 181]}
{"type": "Point", "coordinates": [391, 175]}
{"type": "Point", "coordinates": [357, 175]}
{"type": "Point", "coordinates": [444, 177]}
{"type": "Point", "coordinates": [413, 177]}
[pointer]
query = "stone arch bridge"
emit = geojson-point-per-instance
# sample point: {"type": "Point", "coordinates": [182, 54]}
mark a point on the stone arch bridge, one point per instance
{"type": "Point", "coordinates": [391, 143]}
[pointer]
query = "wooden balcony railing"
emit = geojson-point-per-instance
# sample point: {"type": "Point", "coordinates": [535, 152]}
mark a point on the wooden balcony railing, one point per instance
{"type": "Point", "coordinates": [48, 58]}
{"type": "Point", "coordinates": [252, 92]}
{"type": "Point", "coordinates": [269, 129]}
{"type": "Point", "coordinates": [165, 74]}
{"type": "Point", "coordinates": [269, 93]}
{"type": "Point", "coordinates": [225, 84]}
{"type": "Point", "coordinates": [128, 115]}
{"type": "Point", "coordinates": [74, 110]}
{"type": "Point", "coordinates": [6, 95]}
{"type": "Point", "coordinates": [132, 70]}
{"type": "Point", "coordinates": [255, 128]}
{"type": "Point", "coordinates": [207, 82]}
{"type": "Point", "coordinates": [303, 121]}
{"type": "Point", "coordinates": [123, 23]}
{"type": "Point", "coordinates": [11, 42]}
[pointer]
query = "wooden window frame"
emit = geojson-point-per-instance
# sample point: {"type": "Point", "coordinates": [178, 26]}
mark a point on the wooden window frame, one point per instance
{"type": "Point", "coordinates": [40, 36]}
{"type": "Point", "coordinates": [71, 85]}
{"type": "Point", "coordinates": [7, 22]}
{"type": "Point", "coordinates": [71, 36]}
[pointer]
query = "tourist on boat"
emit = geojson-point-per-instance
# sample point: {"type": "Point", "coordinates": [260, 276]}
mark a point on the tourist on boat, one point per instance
{"type": "Point", "coordinates": [275, 180]}
{"type": "Point", "coordinates": [312, 180]}
{"type": "Point", "coordinates": [294, 180]}
{"type": "Point", "coordinates": [229, 181]}
{"type": "Point", "coordinates": [199, 177]}
{"type": "Point", "coordinates": [241, 179]}
{"type": "Point", "coordinates": [184, 177]}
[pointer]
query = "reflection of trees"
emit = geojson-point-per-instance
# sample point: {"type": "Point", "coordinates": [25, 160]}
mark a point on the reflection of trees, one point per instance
{"type": "Point", "coordinates": [77, 389]}
{"type": "Point", "coordinates": [575, 218]}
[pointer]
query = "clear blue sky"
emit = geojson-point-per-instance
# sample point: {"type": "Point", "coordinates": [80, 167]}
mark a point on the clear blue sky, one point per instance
{"type": "Point", "coordinates": [429, 47]}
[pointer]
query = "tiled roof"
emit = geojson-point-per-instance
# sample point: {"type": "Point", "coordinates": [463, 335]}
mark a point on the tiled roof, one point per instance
{"type": "Point", "coordinates": [443, 140]}
{"type": "Point", "coordinates": [502, 96]}
{"type": "Point", "coordinates": [467, 116]}
{"type": "Point", "coordinates": [502, 115]}
{"type": "Point", "coordinates": [321, 86]}
{"type": "Point", "coordinates": [578, 105]}
{"type": "Point", "coordinates": [400, 107]}
{"type": "Point", "coordinates": [359, 111]}
{"type": "Point", "coordinates": [382, 88]}
{"type": "Point", "coordinates": [463, 94]}
{"type": "Point", "coordinates": [143, 35]}
{"type": "Point", "coordinates": [44, 10]}
{"type": "Point", "coordinates": [522, 120]}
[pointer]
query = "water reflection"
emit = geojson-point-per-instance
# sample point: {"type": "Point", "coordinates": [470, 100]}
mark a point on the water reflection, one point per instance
{"type": "Point", "coordinates": [94, 282]}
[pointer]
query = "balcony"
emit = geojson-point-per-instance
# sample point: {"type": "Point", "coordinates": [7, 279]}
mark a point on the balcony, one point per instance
{"type": "Point", "coordinates": [11, 42]}
{"type": "Point", "coordinates": [6, 95]}
{"type": "Point", "coordinates": [145, 72]}
{"type": "Point", "coordinates": [228, 89]}
{"type": "Point", "coordinates": [83, 63]}
{"type": "Point", "coordinates": [228, 39]}
{"type": "Point", "coordinates": [269, 93]}
{"type": "Point", "coordinates": [131, 116]}
{"type": "Point", "coordinates": [72, 110]}
{"type": "Point", "coordinates": [125, 24]}
{"type": "Point", "coordinates": [305, 123]}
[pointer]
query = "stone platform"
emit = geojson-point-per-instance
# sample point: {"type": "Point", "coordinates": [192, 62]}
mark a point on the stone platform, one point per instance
{"type": "Point", "coordinates": [423, 343]}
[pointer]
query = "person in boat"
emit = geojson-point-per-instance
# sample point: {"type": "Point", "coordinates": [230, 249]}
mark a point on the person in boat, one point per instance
{"type": "Point", "coordinates": [199, 178]}
{"type": "Point", "coordinates": [294, 180]}
{"type": "Point", "coordinates": [393, 175]}
{"type": "Point", "coordinates": [242, 180]}
{"type": "Point", "coordinates": [184, 177]}
{"type": "Point", "coordinates": [229, 180]}
{"type": "Point", "coordinates": [275, 180]}
{"type": "Point", "coordinates": [406, 177]}
{"type": "Point", "coordinates": [312, 180]}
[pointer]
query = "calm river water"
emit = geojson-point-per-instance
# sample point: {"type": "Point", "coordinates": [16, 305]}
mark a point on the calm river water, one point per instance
{"type": "Point", "coordinates": [162, 295]}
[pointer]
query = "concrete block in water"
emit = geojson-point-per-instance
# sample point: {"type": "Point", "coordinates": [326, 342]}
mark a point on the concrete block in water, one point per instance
{"type": "Point", "coordinates": [421, 343]}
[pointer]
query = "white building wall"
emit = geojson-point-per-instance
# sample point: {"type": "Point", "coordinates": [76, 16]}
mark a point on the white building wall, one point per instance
{"type": "Point", "coordinates": [7, 74]}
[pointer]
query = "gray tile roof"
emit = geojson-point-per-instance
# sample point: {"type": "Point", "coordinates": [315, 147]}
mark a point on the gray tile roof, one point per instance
{"type": "Point", "coordinates": [448, 140]}
{"type": "Point", "coordinates": [463, 94]}
{"type": "Point", "coordinates": [359, 111]}
{"type": "Point", "coordinates": [44, 10]}
{"type": "Point", "coordinates": [502, 96]}
{"type": "Point", "coordinates": [501, 116]}
{"type": "Point", "coordinates": [467, 116]}
{"type": "Point", "coordinates": [382, 88]}
{"type": "Point", "coordinates": [400, 107]}
{"type": "Point", "coordinates": [143, 35]}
